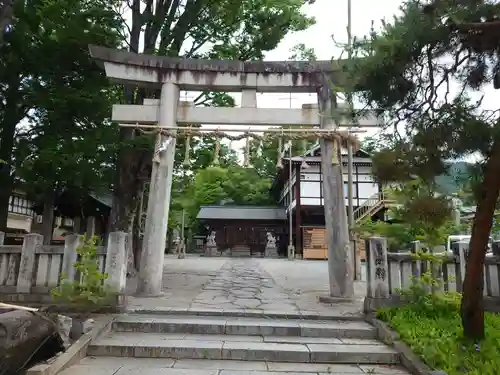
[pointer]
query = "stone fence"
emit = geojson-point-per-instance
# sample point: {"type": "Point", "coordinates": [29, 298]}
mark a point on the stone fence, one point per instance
{"type": "Point", "coordinates": [29, 272]}
{"type": "Point", "coordinates": [389, 273]}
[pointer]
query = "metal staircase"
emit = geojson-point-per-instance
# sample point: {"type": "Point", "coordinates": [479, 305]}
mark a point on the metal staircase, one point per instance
{"type": "Point", "coordinates": [371, 206]}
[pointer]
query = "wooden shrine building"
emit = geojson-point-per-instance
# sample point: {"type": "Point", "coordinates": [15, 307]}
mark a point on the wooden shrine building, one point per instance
{"type": "Point", "coordinates": [247, 226]}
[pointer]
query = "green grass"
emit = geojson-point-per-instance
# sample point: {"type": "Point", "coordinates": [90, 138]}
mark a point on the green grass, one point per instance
{"type": "Point", "coordinates": [433, 329]}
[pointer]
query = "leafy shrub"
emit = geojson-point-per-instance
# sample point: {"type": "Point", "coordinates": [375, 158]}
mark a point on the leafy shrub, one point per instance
{"type": "Point", "coordinates": [89, 292]}
{"type": "Point", "coordinates": [430, 324]}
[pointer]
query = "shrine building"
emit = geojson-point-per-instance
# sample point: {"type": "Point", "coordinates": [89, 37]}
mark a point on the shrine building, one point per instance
{"type": "Point", "coordinates": [245, 227]}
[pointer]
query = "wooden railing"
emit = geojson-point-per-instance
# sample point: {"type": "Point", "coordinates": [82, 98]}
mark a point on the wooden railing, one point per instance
{"type": "Point", "coordinates": [371, 206]}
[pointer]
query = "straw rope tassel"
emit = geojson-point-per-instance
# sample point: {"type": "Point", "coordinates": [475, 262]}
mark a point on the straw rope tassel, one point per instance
{"type": "Point", "coordinates": [217, 151]}
{"type": "Point", "coordinates": [187, 144]}
{"type": "Point", "coordinates": [335, 152]}
{"type": "Point", "coordinates": [156, 154]}
{"type": "Point", "coordinates": [246, 160]}
{"type": "Point", "coordinates": [279, 163]}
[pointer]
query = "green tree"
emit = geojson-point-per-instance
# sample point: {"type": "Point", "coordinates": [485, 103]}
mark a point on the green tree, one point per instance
{"type": "Point", "coordinates": [48, 80]}
{"type": "Point", "coordinates": [236, 185]}
{"type": "Point", "coordinates": [229, 29]}
{"type": "Point", "coordinates": [265, 154]}
{"type": "Point", "coordinates": [406, 72]}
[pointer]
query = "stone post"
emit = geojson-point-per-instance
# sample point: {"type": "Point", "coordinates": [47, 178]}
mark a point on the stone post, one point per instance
{"type": "Point", "coordinates": [377, 268]}
{"type": "Point", "coordinates": [27, 266]}
{"type": "Point", "coordinates": [116, 262]}
{"type": "Point", "coordinates": [340, 256]}
{"type": "Point", "coordinates": [2, 238]}
{"type": "Point", "coordinates": [463, 249]}
{"type": "Point", "coordinates": [416, 264]}
{"type": "Point", "coordinates": [90, 226]}
{"type": "Point", "coordinates": [495, 247]}
{"type": "Point", "coordinates": [71, 243]}
{"type": "Point", "coordinates": [153, 253]}
{"type": "Point", "coordinates": [130, 256]}
{"type": "Point", "coordinates": [77, 225]}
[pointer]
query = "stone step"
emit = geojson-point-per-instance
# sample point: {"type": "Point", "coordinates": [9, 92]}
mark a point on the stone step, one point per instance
{"type": "Point", "coordinates": [246, 313]}
{"type": "Point", "coordinates": [167, 366]}
{"type": "Point", "coordinates": [244, 326]}
{"type": "Point", "coordinates": [243, 348]}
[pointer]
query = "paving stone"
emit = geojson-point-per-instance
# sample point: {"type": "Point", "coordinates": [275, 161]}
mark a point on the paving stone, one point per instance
{"type": "Point", "coordinates": [372, 354]}
{"type": "Point", "coordinates": [127, 362]}
{"type": "Point", "coordinates": [85, 370]}
{"type": "Point", "coordinates": [225, 372]}
{"type": "Point", "coordinates": [384, 369]}
{"type": "Point", "coordinates": [359, 330]}
{"type": "Point", "coordinates": [265, 352]}
{"type": "Point", "coordinates": [351, 341]}
{"type": "Point", "coordinates": [224, 338]}
{"type": "Point", "coordinates": [164, 371]}
{"type": "Point", "coordinates": [315, 367]}
{"type": "Point", "coordinates": [155, 346]}
{"type": "Point", "coordinates": [262, 327]}
{"type": "Point", "coordinates": [220, 364]}
{"type": "Point", "coordinates": [302, 340]}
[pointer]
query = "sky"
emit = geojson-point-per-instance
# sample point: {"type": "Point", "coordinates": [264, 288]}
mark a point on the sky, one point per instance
{"type": "Point", "coordinates": [331, 20]}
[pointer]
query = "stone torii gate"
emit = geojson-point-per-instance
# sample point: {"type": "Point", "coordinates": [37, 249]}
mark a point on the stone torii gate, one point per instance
{"type": "Point", "coordinates": [174, 74]}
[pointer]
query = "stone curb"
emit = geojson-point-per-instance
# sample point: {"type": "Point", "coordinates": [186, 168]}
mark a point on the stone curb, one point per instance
{"type": "Point", "coordinates": [245, 313]}
{"type": "Point", "coordinates": [74, 353]}
{"type": "Point", "coordinates": [408, 359]}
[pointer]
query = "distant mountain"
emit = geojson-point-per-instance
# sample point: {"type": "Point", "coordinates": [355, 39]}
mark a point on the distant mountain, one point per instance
{"type": "Point", "coordinates": [452, 181]}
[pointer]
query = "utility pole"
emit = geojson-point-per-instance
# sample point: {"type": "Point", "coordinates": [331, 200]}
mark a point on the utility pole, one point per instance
{"type": "Point", "coordinates": [350, 194]}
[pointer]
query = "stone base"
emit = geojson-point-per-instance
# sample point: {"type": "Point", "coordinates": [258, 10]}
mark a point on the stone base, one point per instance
{"type": "Point", "coordinates": [145, 295]}
{"type": "Point", "coordinates": [271, 252]}
{"type": "Point", "coordinates": [333, 300]}
{"type": "Point", "coordinates": [212, 252]}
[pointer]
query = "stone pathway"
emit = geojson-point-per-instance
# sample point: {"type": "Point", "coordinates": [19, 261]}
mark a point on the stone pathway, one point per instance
{"type": "Point", "coordinates": [274, 285]}
{"type": "Point", "coordinates": [243, 284]}
{"type": "Point", "coordinates": [223, 316]}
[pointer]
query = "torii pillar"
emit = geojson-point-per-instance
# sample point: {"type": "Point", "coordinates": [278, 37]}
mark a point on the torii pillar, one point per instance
{"type": "Point", "coordinates": [155, 231]}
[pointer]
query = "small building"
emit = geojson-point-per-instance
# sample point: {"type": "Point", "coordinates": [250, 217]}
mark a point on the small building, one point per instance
{"type": "Point", "coordinates": [246, 226]}
{"type": "Point", "coordinates": [76, 214]}
{"type": "Point", "coordinates": [19, 218]}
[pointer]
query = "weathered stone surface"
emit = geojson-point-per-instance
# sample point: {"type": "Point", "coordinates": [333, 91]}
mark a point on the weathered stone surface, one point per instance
{"type": "Point", "coordinates": [373, 354]}
{"type": "Point", "coordinates": [64, 327]}
{"type": "Point", "coordinates": [165, 366]}
{"type": "Point", "coordinates": [265, 352]}
{"type": "Point", "coordinates": [212, 251]}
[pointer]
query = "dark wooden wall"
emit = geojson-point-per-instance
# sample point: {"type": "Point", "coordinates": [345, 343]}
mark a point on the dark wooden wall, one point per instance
{"type": "Point", "coordinates": [252, 233]}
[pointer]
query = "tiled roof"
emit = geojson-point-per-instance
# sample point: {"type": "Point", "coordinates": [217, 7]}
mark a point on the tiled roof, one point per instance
{"type": "Point", "coordinates": [242, 213]}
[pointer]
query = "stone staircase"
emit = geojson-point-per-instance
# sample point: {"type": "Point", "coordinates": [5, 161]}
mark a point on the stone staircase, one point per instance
{"type": "Point", "coordinates": [228, 342]}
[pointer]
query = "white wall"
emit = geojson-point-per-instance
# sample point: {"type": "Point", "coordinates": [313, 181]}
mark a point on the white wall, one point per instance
{"type": "Point", "coordinates": [21, 222]}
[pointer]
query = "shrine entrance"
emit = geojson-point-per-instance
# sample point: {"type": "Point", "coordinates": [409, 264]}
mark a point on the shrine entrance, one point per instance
{"type": "Point", "coordinates": [168, 118]}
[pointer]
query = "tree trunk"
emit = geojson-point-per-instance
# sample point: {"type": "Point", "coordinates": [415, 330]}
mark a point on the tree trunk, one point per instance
{"type": "Point", "coordinates": [48, 218]}
{"type": "Point", "coordinates": [6, 149]}
{"type": "Point", "coordinates": [14, 113]}
{"type": "Point", "coordinates": [472, 299]}
{"type": "Point", "coordinates": [6, 13]}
